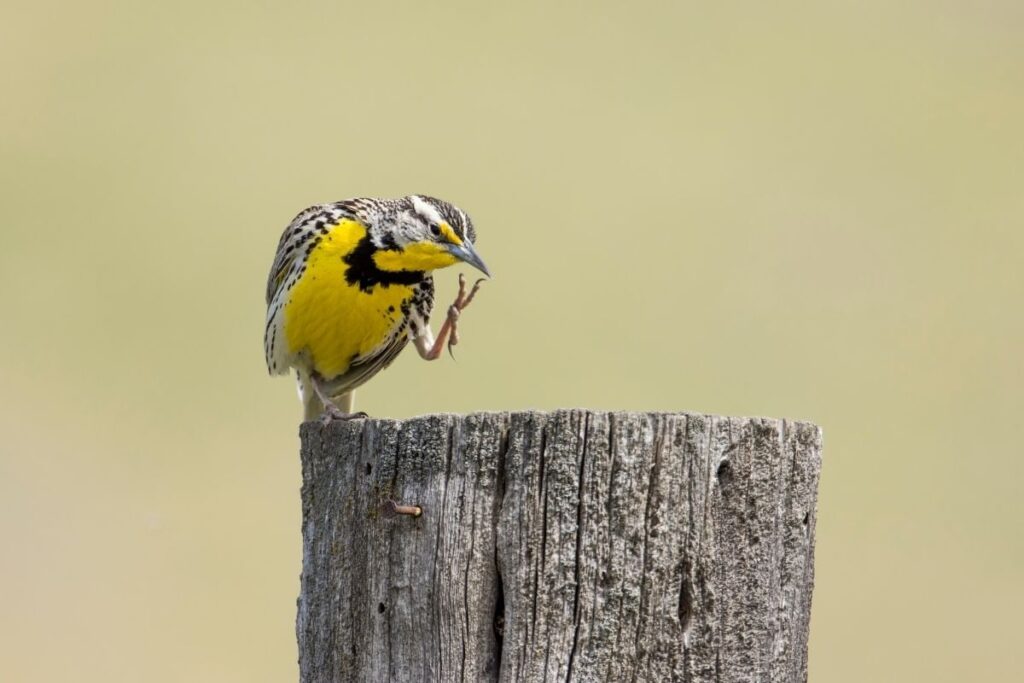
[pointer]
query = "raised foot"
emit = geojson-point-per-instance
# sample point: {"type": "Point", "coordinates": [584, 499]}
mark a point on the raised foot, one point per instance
{"type": "Point", "coordinates": [461, 302]}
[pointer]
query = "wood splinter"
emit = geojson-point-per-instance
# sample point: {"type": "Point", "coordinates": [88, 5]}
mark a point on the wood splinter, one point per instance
{"type": "Point", "coordinates": [393, 508]}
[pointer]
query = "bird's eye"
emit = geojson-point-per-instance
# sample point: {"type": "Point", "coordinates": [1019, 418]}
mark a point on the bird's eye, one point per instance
{"type": "Point", "coordinates": [436, 230]}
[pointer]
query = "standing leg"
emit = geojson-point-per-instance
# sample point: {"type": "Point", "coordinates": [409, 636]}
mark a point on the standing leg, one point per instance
{"type": "Point", "coordinates": [331, 410]}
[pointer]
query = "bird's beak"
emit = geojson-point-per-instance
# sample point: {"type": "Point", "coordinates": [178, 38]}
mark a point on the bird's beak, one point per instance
{"type": "Point", "coordinates": [467, 254]}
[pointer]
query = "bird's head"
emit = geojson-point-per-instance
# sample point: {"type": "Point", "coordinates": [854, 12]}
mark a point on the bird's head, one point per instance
{"type": "Point", "coordinates": [427, 234]}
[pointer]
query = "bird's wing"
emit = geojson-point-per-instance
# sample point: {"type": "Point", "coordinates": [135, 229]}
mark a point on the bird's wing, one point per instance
{"type": "Point", "coordinates": [292, 249]}
{"type": "Point", "coordinates": [303, 228]}
{"type": "Point", "coordinates": [363, 368]}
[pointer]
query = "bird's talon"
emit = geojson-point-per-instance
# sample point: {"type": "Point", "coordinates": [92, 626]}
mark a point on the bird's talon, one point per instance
{"type": "Point", "coordinates": [333, 412]}
{"type": "Point", "coordinates": [460, 300]}
{"type": "Point", "coordinates": [472, 292]}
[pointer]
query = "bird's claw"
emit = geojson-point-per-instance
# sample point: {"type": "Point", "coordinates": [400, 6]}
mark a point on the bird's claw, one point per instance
{"type": "Point", "coordinates": [333, 412]}
{"type": "Point", "coordinates": [461, 302]}
{"type": "Point", "coordinates": [463, 299]}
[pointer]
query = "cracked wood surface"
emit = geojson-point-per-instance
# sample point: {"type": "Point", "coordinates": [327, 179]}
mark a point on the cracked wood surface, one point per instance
{"type": "Point", "coordinates": [565, 546]}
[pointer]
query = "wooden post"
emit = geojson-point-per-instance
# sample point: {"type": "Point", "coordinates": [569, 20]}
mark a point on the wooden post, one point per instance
{"type": "Point", "coordinates": [566, 546]}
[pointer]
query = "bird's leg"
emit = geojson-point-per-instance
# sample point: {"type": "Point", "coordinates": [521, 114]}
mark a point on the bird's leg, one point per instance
{"type": "Point", "coordinates": [331, 410]}
{"type": "Point", "coordinates": [347, 402]}
{"type": "Point", "coordinates": [430, 348]}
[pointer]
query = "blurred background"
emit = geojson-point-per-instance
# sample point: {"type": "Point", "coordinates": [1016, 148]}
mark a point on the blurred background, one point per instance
{"type": "Point", "coordinates": [805, 210]}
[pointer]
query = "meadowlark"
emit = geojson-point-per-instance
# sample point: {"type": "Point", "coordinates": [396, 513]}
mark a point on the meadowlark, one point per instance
{"type": "Point", "coordinates": [351, 285]}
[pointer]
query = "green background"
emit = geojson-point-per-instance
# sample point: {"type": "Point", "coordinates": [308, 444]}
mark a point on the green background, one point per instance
{"type": "Point", "coordinates": [798, 210]}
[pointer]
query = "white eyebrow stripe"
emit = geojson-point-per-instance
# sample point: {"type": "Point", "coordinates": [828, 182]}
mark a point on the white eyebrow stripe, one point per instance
{"type": "Point", "coordinates": [426, 210]}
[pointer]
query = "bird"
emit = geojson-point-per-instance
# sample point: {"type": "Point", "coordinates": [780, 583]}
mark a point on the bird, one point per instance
{"type": "Point", "coordinates": [351, 284]}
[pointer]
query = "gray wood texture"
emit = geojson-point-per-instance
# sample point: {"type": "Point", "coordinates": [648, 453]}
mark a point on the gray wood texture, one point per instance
{"type": "Point", "coordinates": [566, 546]}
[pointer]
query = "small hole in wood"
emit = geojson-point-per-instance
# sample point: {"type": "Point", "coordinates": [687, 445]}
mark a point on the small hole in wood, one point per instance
{"type": "Point", "coordinates": [807, 519]}
{"type": "Point", "coordinates": [369, 468]}
{"type": "Point", "coordinates": [724, 474]}
{"type": "Point", "coordinates": [380, 608]}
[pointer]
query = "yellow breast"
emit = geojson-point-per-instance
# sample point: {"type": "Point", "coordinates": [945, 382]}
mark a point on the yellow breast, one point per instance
{"type": "Point", "coordinates": [331, 321]}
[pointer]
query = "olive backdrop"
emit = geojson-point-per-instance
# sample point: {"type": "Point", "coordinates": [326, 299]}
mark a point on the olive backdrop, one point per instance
{"type": "Point", "coordinates": [809, 210]}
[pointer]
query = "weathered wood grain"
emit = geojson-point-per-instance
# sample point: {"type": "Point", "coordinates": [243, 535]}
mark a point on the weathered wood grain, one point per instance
{"type": "Point", "coordinates": [565, 546]}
